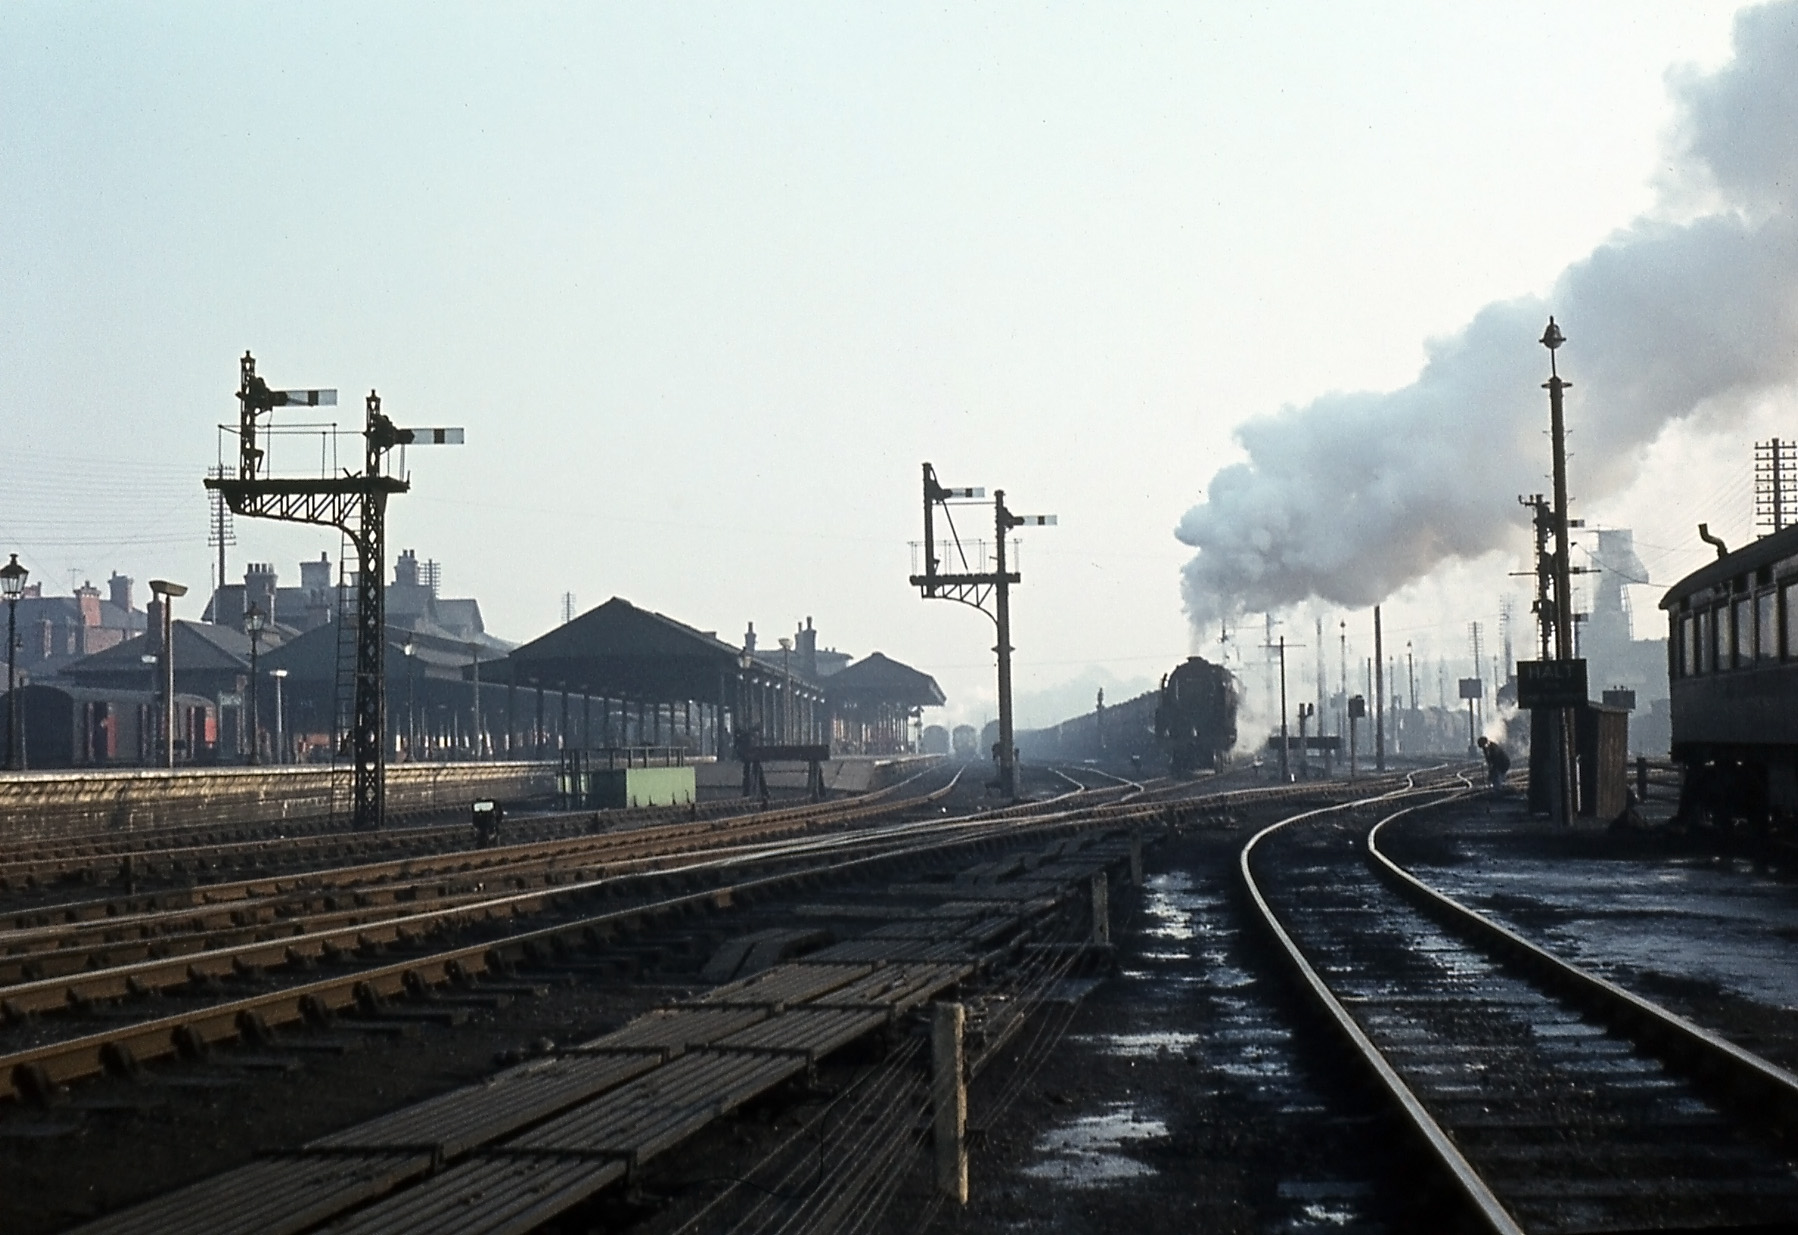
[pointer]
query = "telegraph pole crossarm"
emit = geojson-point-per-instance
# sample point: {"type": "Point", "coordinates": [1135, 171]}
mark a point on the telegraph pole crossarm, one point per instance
{"type": "Point", "coordinates": [975, 587]}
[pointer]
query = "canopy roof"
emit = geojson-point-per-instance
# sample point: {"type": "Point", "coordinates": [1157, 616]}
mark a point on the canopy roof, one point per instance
{"type": "Point", "coordinates": [199, 646]}
{"type": "Point", "coordinates": [623, 652]}
{"type": "Point", "coordinates": [877, 678]}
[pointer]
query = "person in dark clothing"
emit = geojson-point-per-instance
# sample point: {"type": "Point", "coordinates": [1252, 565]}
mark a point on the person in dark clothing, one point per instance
{"type": "Point", "coordinates": [1497, 762]}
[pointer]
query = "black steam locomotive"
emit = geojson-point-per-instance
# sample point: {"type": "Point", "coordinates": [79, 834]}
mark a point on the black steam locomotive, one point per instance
{"type": "Point", "coordinates": [1732, 665]}
{"type": "Point", "coordinates": [1195, 719]}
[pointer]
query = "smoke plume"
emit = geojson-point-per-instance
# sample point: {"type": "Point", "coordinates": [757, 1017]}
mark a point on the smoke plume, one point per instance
{"type": "Point", "coordinates": [1351, 496]}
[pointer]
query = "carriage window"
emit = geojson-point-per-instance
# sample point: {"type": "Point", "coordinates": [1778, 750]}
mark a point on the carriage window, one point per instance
{"type": "Point", "coordinates": [1766, 626]}
{"type": "Point", "coordinates": [1788, 612]}
{"type": "Point", "coordinates": [1705, 662]}
{"type": "Point", "coordinates": [1741, 633]}
{"type": "Point", "coordinates": [1688, 645]}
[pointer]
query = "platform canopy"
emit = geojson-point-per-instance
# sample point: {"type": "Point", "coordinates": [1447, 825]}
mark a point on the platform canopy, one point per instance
{"type": "Point", "coordinates": [877, 678]}
{"type": "Point", "coordinates": [623, 652]}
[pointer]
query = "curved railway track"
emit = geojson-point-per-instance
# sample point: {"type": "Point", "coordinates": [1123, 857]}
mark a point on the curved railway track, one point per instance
{"type": "Point", "coordinates": [1548, 1099]}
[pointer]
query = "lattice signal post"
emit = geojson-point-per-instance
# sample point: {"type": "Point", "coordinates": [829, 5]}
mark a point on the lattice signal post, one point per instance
{"type": "Point", "coordinates": [356, 503]}
{"type": "Point", "coordinates": [977, 588]}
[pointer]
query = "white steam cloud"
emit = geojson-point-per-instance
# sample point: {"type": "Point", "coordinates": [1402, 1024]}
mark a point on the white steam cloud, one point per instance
{"type": "Point", "coordinates": [1662, 319]}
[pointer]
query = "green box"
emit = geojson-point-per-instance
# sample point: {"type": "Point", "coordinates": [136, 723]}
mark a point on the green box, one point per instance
{"type": "Point", "coordinates": [615, 787]}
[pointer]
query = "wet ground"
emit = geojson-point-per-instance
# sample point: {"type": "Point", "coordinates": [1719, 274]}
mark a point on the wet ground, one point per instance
{"type": "Point", "coordinates": [1710, 935]}
{"type": "Point", "coordinates": [1177, 1099]}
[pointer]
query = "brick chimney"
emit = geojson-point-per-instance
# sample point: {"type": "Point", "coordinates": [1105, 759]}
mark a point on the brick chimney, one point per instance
{"type": "Point", "coordinates": [120, 587]}
{"type": "Point", "coordinates": [806, 640]}
{"type": "Point", "coordinates": [405, 571]}
{"type": "Point", "coordinates": [315, 577]}
{"type": "Point", "coordinates": [87, 600]}
{"type": "Point", "coordinates": [259, 582]}
{"type": "Point", "coordinates": [153, 626]}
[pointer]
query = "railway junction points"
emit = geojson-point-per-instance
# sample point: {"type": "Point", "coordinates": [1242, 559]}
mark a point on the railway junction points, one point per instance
{"type": "Point", "coordinates": [719, 1018]}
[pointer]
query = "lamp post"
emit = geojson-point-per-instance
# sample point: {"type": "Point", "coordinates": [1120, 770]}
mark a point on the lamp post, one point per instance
{"type": "Point", "coordinates": [786, 692]}
{"type": "Point", "coordinates": [252, 624]}
{"type": "Point", "coordinates": [412, 701]}
{"type": "Point", "coordinates": [12, 586]}
{"type": "Point", "coordinates": [280, 718]}
{"type": "Point", "coordinates": [478, 745]}
{"type": "Point", "coordinates": [168, 592]}
{"type": "Point", "coordinates": [1566, 796]}
{"type": "Point", "coordinates": [146, 741]}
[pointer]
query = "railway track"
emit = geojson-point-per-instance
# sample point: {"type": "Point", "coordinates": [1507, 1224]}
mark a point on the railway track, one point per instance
{"type": "Point", "coordinates": [209, 854]}
{"type": "Point", "coordinates": [70, 937]}
{"type": "Point", "coordinates": [1547, 1099]}
{"type": "Point", "coordinates": [939, 904]}
{"type": "Point", "coordinates": [39, 1059]}
{"type": "Point", "coordinates": [77, 1004]}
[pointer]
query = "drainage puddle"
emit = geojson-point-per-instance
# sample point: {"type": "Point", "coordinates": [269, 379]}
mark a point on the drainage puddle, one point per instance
{"type": "Point", "coordinates": [1088, 1152]}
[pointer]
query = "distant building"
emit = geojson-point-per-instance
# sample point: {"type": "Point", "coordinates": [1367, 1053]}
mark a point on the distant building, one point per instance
{"type": "Point", "coordinates": [1615, 658]}
{"type": "Point", "coordinates": [57, 630]}
{"type": "Point", "coordinates": [412, 601]}
{"type": "Point", "coordinates": [211, 662]}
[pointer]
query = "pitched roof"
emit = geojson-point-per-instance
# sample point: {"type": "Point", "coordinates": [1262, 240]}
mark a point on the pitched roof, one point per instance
{"type": "Point", "coordinates": [878, 678]}
{"type": "Point", "coordinates": [312, 657]}
{"type": "Point", "coordinates": [620, 650]}
{"type": "Point", "coordinates": [199, 646]}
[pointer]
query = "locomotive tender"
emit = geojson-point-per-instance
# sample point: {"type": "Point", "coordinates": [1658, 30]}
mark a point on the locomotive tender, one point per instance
{"type": "Point", "coordinates": [1732, 666]}
{"type": "Point", "coordinates": [1195, 719]}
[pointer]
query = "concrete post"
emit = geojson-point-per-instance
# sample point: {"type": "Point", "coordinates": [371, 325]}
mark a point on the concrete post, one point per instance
{"type": "Point", "coordinates": [949, 1097]}
{"type": "Point", "coordinates": [1136, 859]}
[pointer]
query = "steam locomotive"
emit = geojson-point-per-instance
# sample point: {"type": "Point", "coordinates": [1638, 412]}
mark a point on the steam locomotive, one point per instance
{"type": "Point", "coordinates": [1195, 719]}
{"type": "Point", "coordinates": [1732, 666]}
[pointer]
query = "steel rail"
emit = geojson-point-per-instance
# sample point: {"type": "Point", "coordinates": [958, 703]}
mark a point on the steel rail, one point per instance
{"type": "Point", "coordinates": [460, 858]}
{"type": "Point", "coordinates": [1480, 1199]}
{"type": "Point", "coordinates": [225, 908]}
{"type": "Point", "coordinates": [427, 839]}
{"type": "Point", "coordinates": [1659, 1030]}
{"type": "Point", "coordinates": [122, 1047]}
{"type": "Point", "coordinates": [119, 981]}
{"type": "Point", "coordinates": [74, 990]}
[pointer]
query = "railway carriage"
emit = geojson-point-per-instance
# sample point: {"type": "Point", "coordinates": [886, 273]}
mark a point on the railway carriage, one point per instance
{"type": "Point", "coordinates": [1732, 665]}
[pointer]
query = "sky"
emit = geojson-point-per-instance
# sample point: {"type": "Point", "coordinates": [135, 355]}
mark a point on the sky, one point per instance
{"type": "Point", "coordinates": [705, 284]}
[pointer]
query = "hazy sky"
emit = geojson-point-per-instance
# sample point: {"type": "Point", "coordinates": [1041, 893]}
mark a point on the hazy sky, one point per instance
{"type": "Point", "coordinates": [706, 284]}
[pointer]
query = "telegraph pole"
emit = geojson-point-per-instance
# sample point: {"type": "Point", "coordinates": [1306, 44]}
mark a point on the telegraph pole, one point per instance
{"type": "Point", "coordinates": [1411, 676]}
{"type": "Point", "coordinates": [978, 588]}
{"type": "Point", "coordinates": [1285, 770]}
{"type": "Point", "coordinates": [1775, 477]}
{"type": "Point", "coordinates": [1379, 695]}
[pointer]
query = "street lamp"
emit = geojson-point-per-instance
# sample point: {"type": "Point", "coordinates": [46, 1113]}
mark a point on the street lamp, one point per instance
{"type": "Point", "coordinates": [412, 700]}
{"type": "Point", "coordinates": [168, 592]}
{"type": "Point", "coordinates": [480, 751]}
{"type": "Point", "coordinates": [786, 692]}
{"type": "Point", "coordinates": [252, 625]}
{"type": "Point", "coordinates": [12, 586]}
{"type": "Point", "coordinates": [146, 741]}
{"type": "Point", "coordinates": [280, 718]}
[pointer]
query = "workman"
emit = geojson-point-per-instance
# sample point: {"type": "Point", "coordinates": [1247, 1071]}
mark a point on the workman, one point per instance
{"type": "Point", "coordinates": [1497, 762]}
